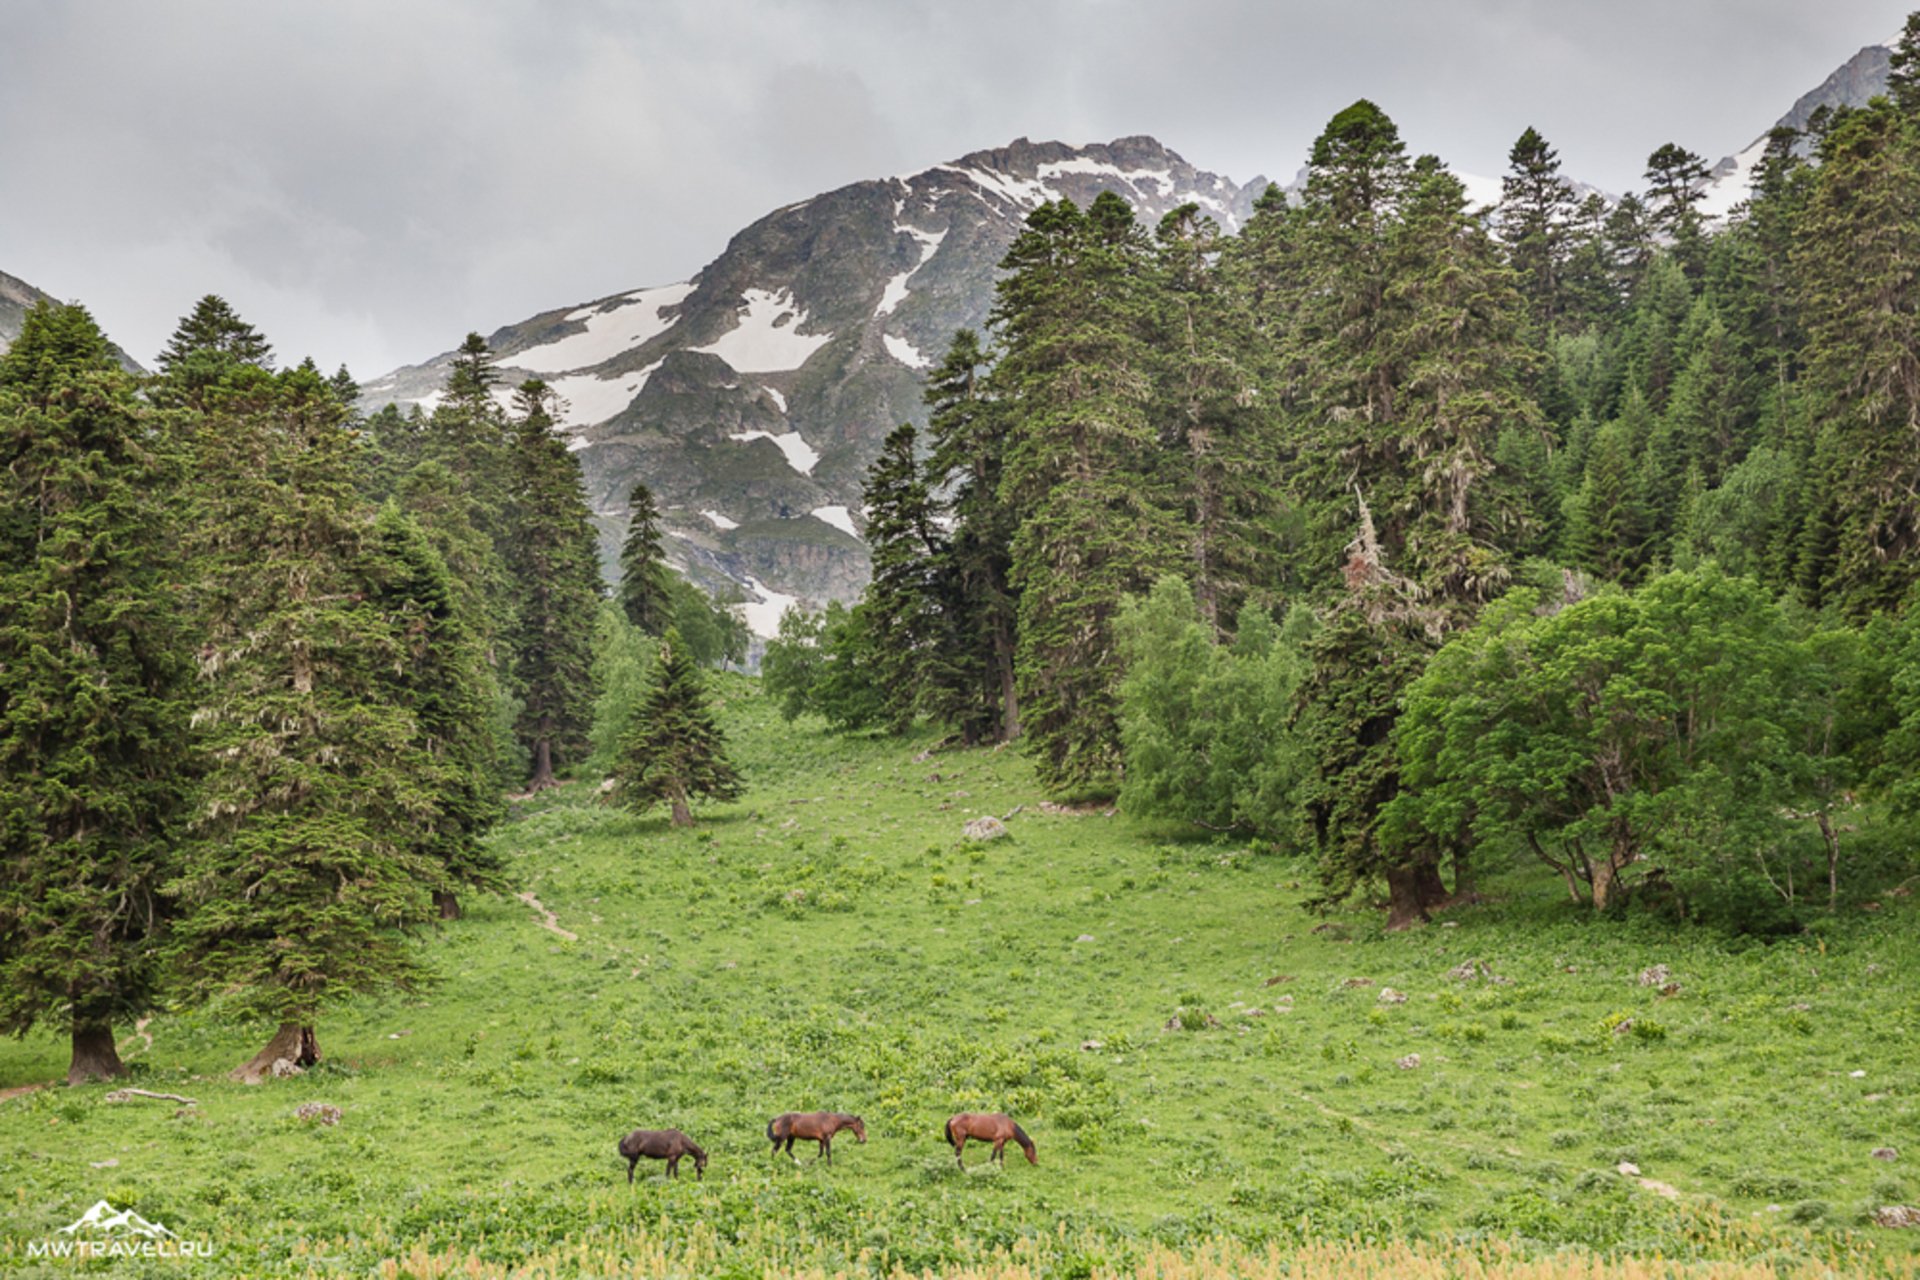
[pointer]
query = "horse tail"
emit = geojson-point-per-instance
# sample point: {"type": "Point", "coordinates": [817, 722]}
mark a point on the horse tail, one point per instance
{"type": "Point", "coordinates": [770, 1137]}
{"type": "Point", "coordinates": [950, 1138]}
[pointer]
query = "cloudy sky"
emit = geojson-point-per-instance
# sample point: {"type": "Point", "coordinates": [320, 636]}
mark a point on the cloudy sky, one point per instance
{"type": "Point", "coordinates": [367, 180]}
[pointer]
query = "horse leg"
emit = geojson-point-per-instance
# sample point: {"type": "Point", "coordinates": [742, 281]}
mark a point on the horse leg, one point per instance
{"type": "Point", "coordinates": [959, 1145]}
{"type": "Point", "coordinates": [1000, 1152]}
{"type": "Point", "coordinates": [790, 1155]}
{"type": "Point", "coordinates": [673, 1166]}
{"type": "Point", "coordinates": [631, 1162]}
{"type": "Point", "coordinates": [826, 1150]}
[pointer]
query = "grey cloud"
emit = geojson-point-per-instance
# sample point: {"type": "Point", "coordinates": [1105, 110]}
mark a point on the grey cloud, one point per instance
{"type": "Point", "coordinates": [366, 180]}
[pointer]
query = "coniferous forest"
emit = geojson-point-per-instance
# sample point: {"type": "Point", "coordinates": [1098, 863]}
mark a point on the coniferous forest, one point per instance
{"type": "Point", "coordinates": [1379, 556]}
{"type": "Point", "coordinates": [1416, 537]}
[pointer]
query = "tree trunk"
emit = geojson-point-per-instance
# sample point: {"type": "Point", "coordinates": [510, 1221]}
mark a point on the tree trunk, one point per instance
{"type": "Point", "coordinates": [1009, 690]}
{"type": "Point", "coordinates": [448, 904]}
{"type": "Point", "coordinates": [1464, 888]}
{"type": "Point", "coordinates": [1833, 859]}
{"type": "Point", "coordinates": [293, 1044]}
{"type": "Point", "coordinates": [682, 816]}
{"type": "Point", "coordinates": [94, 1054]}
{"type": "Point", "coordinates": [1404, 909]}
{"type": "Point", "coordinates": [542, 766]}
{"type": "Point", "coordinates": [1605, 875]}
{"type": "Point", "coordinates": [1428, 884]}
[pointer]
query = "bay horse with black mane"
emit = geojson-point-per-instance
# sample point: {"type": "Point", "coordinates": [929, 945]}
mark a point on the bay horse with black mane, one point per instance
{"type": "Point", "coordinates": [663, 1144]}
{"type": "Point", "coordinates": [818, 1126]}
{"type": "Point", "coordinates": [995, 1127]}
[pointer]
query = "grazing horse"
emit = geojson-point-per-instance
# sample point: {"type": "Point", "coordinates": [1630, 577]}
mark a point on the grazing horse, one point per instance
{"type": "Point", "coordinates": [820, 1126]}
{"type": "Point", "coordinates": [663, 1144]}
{"type": "Point", "coordinates": [995, 1128]}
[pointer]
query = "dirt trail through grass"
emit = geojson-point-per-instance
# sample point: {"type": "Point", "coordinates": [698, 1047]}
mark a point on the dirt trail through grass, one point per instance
{"type": "Point", "coordinates": [547, 920]}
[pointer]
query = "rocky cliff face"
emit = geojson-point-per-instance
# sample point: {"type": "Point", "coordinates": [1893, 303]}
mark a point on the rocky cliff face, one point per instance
{"type": "Point", "coordinates": [752, 398]}
{"type": "Point", "coordinates": [1858, 79]}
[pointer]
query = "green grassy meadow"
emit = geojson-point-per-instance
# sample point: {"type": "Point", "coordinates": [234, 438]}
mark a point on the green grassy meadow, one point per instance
{"type": "Point", "coordinates": [1204, 1064]}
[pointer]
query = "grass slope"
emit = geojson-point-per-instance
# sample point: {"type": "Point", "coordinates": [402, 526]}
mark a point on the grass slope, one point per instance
{"type": "Point", "coordinates": [1206, 1067]}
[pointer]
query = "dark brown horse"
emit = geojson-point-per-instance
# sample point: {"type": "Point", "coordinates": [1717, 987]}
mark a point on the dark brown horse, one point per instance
{"type": "Point", "coordinates": [996, 1128]}
{"type": "Point", "coordinates": [819, 1126]}
{"type": "Point", "coordinates": [663, 1144]}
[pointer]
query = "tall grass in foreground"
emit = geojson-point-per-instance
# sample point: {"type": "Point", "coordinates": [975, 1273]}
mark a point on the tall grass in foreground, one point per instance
{"type": "Point", "coordinates": [1090, 1258]}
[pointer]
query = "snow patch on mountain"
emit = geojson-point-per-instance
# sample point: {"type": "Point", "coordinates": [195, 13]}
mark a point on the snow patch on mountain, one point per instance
{"type": "Point", "coordinates": [719, 521]}
{"type": "Point", "coordinates": [763, 615]}
{"type": "Point", "coordinates": [837, 516]}
{"type": "Point", "coordinates": [767, 337]}
{"type": "Point", "coordinates": [777, 397]}
{"type": "Point", "coordinates": [801, 456]}
{"type": "Point", "coordinates": [896, 291]}
{"type": "Point", "coordinates": [903, 351]}
{"type": "Point", "coordinates": [590, 399]}
{"type": "Point", "coordinates": [610, 329]}
{"type": "Point", "coordinates": [1023, 193]}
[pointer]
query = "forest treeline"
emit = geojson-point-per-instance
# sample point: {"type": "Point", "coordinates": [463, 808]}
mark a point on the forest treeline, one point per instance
{"type": "Point", "coordinates": [268, 669]}
{"type": "Point", "coordinates": [1415, 535]}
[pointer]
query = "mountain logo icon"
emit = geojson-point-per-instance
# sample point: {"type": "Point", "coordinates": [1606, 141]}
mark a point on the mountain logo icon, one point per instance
{"type": "Point", "coordinates": [104, 1220]}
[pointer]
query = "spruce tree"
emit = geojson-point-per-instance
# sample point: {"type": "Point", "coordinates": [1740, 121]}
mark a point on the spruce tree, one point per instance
{"type": "Point", "coordinates": [446, 684]}
{"type": "Point", "coordinates": [95, 770]}
{"type": "Point", "coordinates": [1674, 177]}
{"type": "Point", "coordinates": [1070, 317]}
{"type": "Point", "coordinates": [1859, 300]}
{"type": "Point", "coordinates": [674, 750]}
{"type": "Point", "coordinates": [645, 580]}
{"type": "Point", "coordinates": [1536, 208]}
{"type": "Point", "coordinates": [1208, 406]}
{"type": "Point", "coordinates": [307, 867]}
{"type": "Point", "coordinates": [969, 678]}
{"type": "Point", "coordinates": [555, 567]}
{"type": "Point", "coordinates": [903, 610]}
{"type": "Point", "coordinates": [212, 336]}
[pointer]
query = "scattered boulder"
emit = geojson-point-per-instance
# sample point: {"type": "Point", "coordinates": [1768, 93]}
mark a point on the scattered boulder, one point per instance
{"type": "Point", "coordinates": [1085, 937]}
{"type": "Point", "coordinates": [1092, 1046]}
{"type": "Point", "coordinates": [1357, 982]}
{"type": "Point", "coordinates": [1896, 1215]}
{"type": "Point", "coordinates": [1408, 1063]}
{"type": "Point", "coordinates": [318, 1113]}
{"type": "Point", "coordinates": [1628, 1169]}
{"type": "Point", "coordinates": [285, 1067]}
{"type": "Point", "coordinates": [987, 828]}
{"type": "Point", "coordinates": [1656, 976]}
{"type": "Point", "coordinates": [1389, 996]}
{"type": "Point", "coordinates": [1623, 1027]}
{"type": "Point", "coordinates": [1886, 1153]}
{"type": "Point", "coordinates": [923, 757]}
{"type": "Point", "coordinates": [1467, 972]}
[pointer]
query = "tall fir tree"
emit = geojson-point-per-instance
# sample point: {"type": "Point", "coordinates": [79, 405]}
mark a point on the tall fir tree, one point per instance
{"type": "Point", "coordinates": [674, 750]}
{"type": "Point", "coordinates": [1536, 209]}
{"type": "Point", "coordinates": [555, 567]}
{"type": "Point", "coordinates": [445, 682]}
{"type": "Point", "coordinates": [905, 620]}
{"type": "Point", "coordinates": [1860, 302]}
{"type": "Point", "coordinates": [646, 583]}
{"type": "Point", "coordinates": [306, 870]}
{"type": "Point", "coordinates": [1070, 317]}
{"type": "Point", "coordinates": [211, 337]}
{"type": "Point", "coordinates": [1208, 407]}
{"type": "Point", "coordinates": [970, 677]}
{"type": "Point", "coordinates": [95, 690]}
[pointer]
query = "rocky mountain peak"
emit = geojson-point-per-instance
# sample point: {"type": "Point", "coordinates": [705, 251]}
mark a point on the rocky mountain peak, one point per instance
{"type": "Point", "coordinates": [752, 397]}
